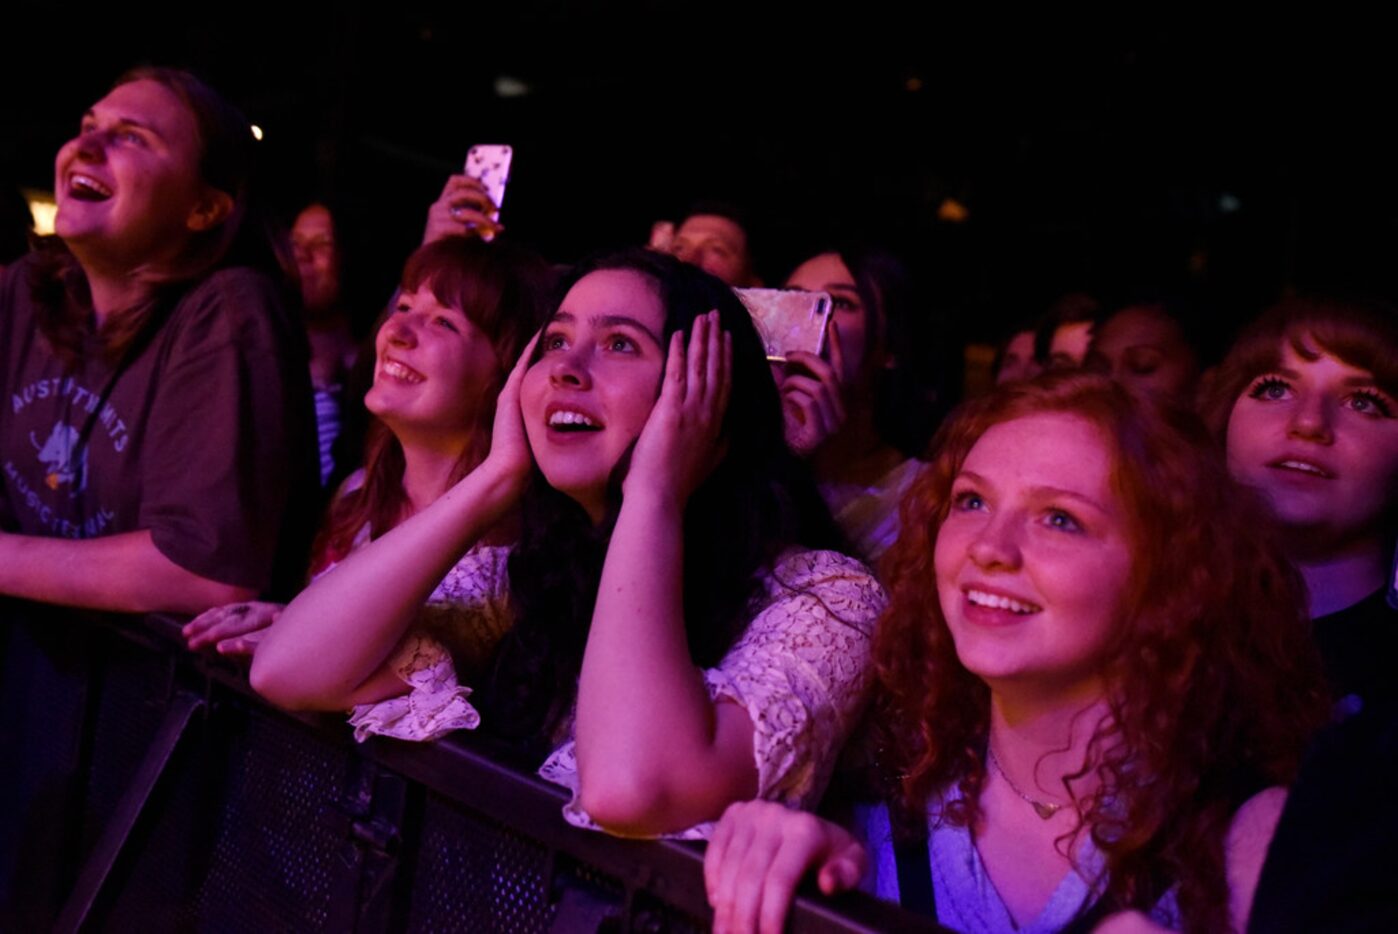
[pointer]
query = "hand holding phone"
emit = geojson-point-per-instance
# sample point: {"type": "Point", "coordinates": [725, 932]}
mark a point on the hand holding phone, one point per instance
{"type": "Point", "coordinates": [490, 165]}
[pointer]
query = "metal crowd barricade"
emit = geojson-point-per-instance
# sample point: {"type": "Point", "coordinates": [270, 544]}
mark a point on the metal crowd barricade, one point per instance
{"type": "Point", "coordinates": [148, 788]}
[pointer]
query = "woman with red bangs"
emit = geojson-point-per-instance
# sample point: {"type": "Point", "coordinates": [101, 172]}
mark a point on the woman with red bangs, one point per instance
{"type": "Point", "coordinates": [464, 310]}
{"type": "Point", "coordinates": [1078, 680]}
{"type": "Point", "coordinates": [1307, 402]}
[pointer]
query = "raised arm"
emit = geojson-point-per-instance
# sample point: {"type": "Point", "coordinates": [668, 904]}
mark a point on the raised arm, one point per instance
{"type": "Point", "coordinates": [654, 752]}
{"type": "Point", "coordinates": [335, 636]}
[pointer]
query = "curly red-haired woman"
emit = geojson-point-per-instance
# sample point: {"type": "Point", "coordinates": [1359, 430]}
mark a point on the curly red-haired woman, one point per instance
{"type": "Point", "coordinates": [1094, 674]}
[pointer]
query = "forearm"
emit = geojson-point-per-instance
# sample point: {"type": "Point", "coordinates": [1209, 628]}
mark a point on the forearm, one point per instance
{"type": "Point", "coordinates": [651, 744]}
{"type": "Point", "coordinates": [125, 573]}
{"type": "Point", "coordinates": [339, 631]}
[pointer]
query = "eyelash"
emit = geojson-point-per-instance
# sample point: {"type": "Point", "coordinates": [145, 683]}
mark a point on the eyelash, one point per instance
{"type": "Point", "coordinates": [963, 501]}
{"type": "Point", "coordinates": [446, 323]}
{"type": "Point", "coordinates": [1382, 407]}
{"type": "Point", "coordinates": [1266, 384]}
{"type": "Point", "coordinates": [1070, 522]}
{"type": "Point", "coordinates": [1058, 519]}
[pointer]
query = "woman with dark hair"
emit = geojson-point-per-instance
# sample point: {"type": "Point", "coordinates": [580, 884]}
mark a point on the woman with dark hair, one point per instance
{"type": "Point", "coordinates": [157, 445]}
{"type": "Point", "coordinates": [1014, 357]}
{"type": "Point", "coordinates": [1307, 405]}
{"type": "Point", "coordinates": [1092, 675]}
{"type": "Point", "coordinates": [463, 310]}
{"type": "Point", "coordinates": [863, 416]}
{"type": "Point", "coordinates": [631, 574]}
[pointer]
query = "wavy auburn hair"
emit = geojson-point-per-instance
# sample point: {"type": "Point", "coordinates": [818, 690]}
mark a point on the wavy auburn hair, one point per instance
{"type": "Point", "coordinates": [1213, 685]}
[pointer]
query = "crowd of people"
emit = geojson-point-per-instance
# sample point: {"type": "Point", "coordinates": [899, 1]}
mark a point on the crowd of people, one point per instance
{"type": "Point", "coordinates": [1094, 650]}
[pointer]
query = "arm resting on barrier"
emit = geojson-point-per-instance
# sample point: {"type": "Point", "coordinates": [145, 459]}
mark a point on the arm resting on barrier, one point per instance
{"type": "Point", "coordinates": [125, 573]}
{"type": "Point", "coordinates": [328, 648]}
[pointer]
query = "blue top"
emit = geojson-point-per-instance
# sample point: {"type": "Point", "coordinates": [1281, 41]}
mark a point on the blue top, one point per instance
{"type": "Point", "coordinates": [965, 895]}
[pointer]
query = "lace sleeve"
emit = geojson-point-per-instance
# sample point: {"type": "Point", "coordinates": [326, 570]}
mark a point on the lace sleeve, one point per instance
{"type": "Point", "coordinates": [434, 705]}
{"type": "Point", "coordinates": [800, 670]}
{"type": "Point", "coordinates": [468, 613]}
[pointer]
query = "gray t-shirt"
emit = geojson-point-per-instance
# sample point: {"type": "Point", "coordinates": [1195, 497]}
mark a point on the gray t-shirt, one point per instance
{"type": "Point", "coordinates": [202, 434]}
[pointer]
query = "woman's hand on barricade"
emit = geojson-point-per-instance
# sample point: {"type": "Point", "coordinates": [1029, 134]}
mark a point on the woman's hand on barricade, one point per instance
{"type": "Point", "coordinates": [813, 397]}
{"type": "Point", "coordinates": [463, 209]}
{"type": "Point", "coordinates": [759, 853]}
{"type": "Point", "coordinates": [234, 629]}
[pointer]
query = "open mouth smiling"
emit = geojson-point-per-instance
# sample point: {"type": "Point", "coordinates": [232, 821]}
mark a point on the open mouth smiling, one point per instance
{"type": "Point", "coordinates": [400, 371]}
{"type": "Point", "coordinates": [1303, 467]}
{"type": "Point", "coordinates": [572, 420]}
{"type": "Point", "coordinates": [994, 601]}
{"type": "Point", "coordinates": [86, 188]}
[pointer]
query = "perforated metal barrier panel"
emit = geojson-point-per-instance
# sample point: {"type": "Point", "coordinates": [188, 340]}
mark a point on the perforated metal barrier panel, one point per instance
{"type": "Point", "coordinates": [151, 790]}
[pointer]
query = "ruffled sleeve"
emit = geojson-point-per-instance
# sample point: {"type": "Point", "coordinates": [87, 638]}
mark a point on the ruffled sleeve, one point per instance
{"type": "Point", "coordinates": [800, 670]}
{"type": "Point", "coordinates": [434, 705]}
{"type": "Point", "coordinates": [469, 608]}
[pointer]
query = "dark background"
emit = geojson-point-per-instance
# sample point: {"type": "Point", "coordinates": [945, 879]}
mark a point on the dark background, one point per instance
{"type": "Point", "coordinates": [1238, 159]}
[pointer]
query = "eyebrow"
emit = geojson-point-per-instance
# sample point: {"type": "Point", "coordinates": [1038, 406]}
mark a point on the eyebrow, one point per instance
{"type": "Point", "coordinates": [1042, 491]}
{"type": "Point", "coordinates": [611, 321]}
{"type": "Point", "coordinates": [127, 121]}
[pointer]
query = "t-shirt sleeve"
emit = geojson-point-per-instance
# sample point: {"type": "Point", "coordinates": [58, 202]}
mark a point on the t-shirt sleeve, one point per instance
{"type": "Point", "coordinates": [227, 432]}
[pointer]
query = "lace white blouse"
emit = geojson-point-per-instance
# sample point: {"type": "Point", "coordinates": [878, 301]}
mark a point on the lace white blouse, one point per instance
{"type": "Point", "coordinates": [800, 670]}
{"type": "Point", "coordinates": [464, 618]}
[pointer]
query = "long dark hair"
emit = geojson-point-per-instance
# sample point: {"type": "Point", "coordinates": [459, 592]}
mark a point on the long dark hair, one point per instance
{"type": "Point", "coordinates": [226, 163]}
{"type": "Point", "coordinates": [503, 290]}
{"type": "Point", "coordinates": [918, 389]}
{"type": "Point", "coordinates": [757, 502]}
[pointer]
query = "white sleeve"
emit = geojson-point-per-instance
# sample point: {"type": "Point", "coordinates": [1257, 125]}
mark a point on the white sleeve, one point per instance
{"type": "Point", "coordinates": [800, 670]}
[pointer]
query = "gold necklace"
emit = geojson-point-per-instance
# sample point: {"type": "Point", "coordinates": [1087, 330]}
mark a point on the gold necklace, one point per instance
{"type": "Point", "coordinates": [1045, 809]}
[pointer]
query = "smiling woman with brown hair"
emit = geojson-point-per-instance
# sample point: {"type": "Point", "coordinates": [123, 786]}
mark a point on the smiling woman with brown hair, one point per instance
{"type": "Point", "coordinates": [156, 445]}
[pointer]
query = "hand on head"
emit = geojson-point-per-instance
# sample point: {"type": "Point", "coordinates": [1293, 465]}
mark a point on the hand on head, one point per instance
{"type": "Point", "coordinates": [509, 453]}
{"type": "Point", "coordinates": [758, 854]}
{"type": "Point", "coordinates": [681, 442]}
